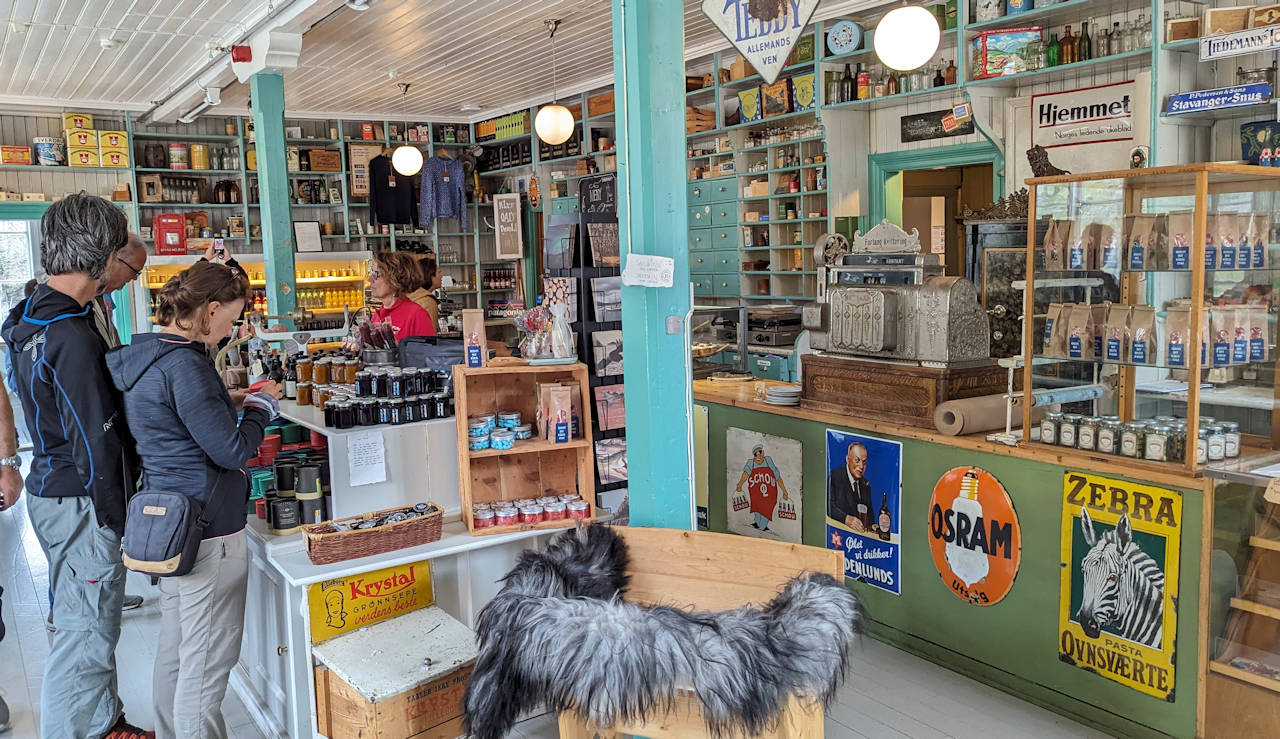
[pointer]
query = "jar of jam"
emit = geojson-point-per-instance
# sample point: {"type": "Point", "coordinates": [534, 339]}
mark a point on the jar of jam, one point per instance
{"type": "Point", "coordinates": [443, 382]}
{"type": "Point", "coordinates": [1202, 445]}
{"type": "Point", "coordinates": [483, 519]}
{"type": "Point", "coordinates": [397, 410]}
{"type": "Point", "coordinates": [350, 368]}
{"type": "Point", "coordinates": [364, 384]}
{"type": "Point", "coordinates": [344, 414]}
{"type": "Point", "coordinates": [366, 412]}
{"type": "Point", "coordinates": [555, 511]}
{"type": "Point", "coordinates": [1217, 448]}
{"type": "Point", "coordinates": [321, 395]}
{"type": "Point", "coordinates": [578, 509]}
{"type": "Point", "coordinates": [532, 514]}
{"type": "Point", "coordinates": [320, 372]}
{"type": "Point", "coordinates": [1157, 442]}
{"type": "Point", "coordinates": [1133, 439]}
{"type": "Point", "coordinates": [411, 384]}
{"type": "Point", "coordinates": [1231, 439]}
{"type": "Point", "coordinates": [426, 408]}
{"type": "Point", "coordinates": [304, 370]}
{"type": "Point", "coordinates": [380, 382]}
{"type": "Point", "coordinates": [384, 411]}
{"type": "Point", "coordinates": [506, 515]}
{"type": "Point", "coordinates": [411, 409]}
{"type": "Point", "coordinates": [1049, 428]}
{"type": "Point", "coordinates": [1087, 432]}
{"type": "Point", "coordinates": [444, 408]}
{"type": "Point", "coordinates": [1109, 436]}
{"type": "Point", "coordinates": [1067, 429]}
{"type": "Point", "coordinates": [330, 414]}
{"type": "Point", "coordinates": [304, 393]}
{"type": "Point", "coordinates": [395, 383]}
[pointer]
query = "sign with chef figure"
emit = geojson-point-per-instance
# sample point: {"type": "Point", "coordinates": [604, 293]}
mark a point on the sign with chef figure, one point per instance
{"type": "Point", "coordinates": [343, 604]}
{"type": "Point", "coordinates": [764, 480]}
{"type": "Point", "coordinates": [864, 496]}
{"type": "Point", "coordinates": [974, 535]}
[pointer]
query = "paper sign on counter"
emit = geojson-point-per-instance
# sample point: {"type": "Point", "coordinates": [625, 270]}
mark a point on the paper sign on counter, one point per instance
{"type": "Point", "coordinates": [367, 458]}
{"type": "Point", "coordinates": [646, 270]}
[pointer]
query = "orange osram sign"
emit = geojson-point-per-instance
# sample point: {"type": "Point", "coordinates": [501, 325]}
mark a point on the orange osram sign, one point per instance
{"type": "Point", "coordinates": [974, 535]}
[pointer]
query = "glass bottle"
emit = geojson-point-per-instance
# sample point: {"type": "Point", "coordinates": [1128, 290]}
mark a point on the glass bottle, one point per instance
{"type": "Point", "coordinates": [1117, 38]}
{"type": "Point", "coordinates": [881, 87]}
{"type": "Point", "coordinates": [833, 92]}
{"type": "Point", "coordinates": [1068, 43]}
{"type": "Point", "coordinates": [938, 79]}
{"type": "Point", "coordinates": [950, 74]}
{"type": "Point", "coordinates": [1143, 35]}
{"type": "Point", "coordinates": [919, 80]}
{"type": "Point", "coordinates": [1102, 43]}
{"type": "Point", "coordinates": [1053, 54]}
{"type": "Point", "coordinates": [892, 85]}
{"type": "Point", "coordinates": [847, 88]}
{"type": "Point", "coordinates": [863, 82]}
{"type": "Point", "coordinates": [1084, 44]}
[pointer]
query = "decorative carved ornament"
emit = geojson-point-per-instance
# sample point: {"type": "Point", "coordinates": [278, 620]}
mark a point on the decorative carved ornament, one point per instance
{"type": "Point", "coordinates": [1013, 206]}
{"type": "Point", "coordinates": [886, 238]}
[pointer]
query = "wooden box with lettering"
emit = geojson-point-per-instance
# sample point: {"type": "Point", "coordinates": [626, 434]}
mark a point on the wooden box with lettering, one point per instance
{"type": "Point", "coordinates": [325, 160]}
{"type": "Point", "coordinates": [601, 104]}
{"type": "Point", "coordinates": [1217, 21]}
{"type": "Point", "coordinates": [413, 689]}
{"type": "Point", "coordinates": [908, 395]}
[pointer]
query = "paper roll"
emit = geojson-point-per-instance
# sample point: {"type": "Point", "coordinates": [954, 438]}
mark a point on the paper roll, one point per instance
{"type": "Point", "coordinates": [976, 415]}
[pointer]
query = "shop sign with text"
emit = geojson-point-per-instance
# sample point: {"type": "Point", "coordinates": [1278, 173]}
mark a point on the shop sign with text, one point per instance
{"type": "Point", "coordinates": [1239, 43]}
{"type": "Point", "coordinates": [345, 604]}
{"type": "Point", "coordinates": [974, 535]}
{"type": "Point", "coordinates": [1117, 614]}
{"type": "Point", "coordinates": [763, 32]}
{"type": "Point", "coordinates": [1090, 115]}
{"type": "Point", "coordinates": [864, 504]}
{"type": "Point", "coordinates": [1237, 96]}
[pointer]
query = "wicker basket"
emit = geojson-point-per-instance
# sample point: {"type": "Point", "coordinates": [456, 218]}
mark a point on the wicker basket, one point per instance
{"type": "Point", "coordinates": [326, 547]}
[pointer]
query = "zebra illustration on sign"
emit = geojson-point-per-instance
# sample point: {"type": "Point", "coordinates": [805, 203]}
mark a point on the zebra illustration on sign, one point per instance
{"type": "Point", "coordinates": [1123, 585]}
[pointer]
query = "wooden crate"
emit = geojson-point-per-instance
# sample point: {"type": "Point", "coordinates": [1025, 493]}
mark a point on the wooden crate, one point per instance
{"type": "Point", "coordinates": [534, 467]}
{"type": "Point", "coordinates": [325, 160]}
{"type": "Point", "coordinates": [601, 104]}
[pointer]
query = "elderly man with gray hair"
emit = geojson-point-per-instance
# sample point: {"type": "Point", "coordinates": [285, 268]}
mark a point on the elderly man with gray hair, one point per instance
{"type": "Point", "coordinates": [81, 473]}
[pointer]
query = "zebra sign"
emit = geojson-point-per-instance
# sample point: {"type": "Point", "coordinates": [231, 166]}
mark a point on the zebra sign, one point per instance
{"type": "Point", "coordinates": [1120, 556]}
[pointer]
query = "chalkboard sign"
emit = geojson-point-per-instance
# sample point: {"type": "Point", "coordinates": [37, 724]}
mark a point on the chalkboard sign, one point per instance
{"type": "Point", "coordinates": [926, 126]}
{"type": "Point", "coordinates": [509, 242]}
{"type": "Point", "coordinates": [598, 198]}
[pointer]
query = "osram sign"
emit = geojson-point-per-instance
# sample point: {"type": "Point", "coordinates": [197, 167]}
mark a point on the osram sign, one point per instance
{"type": "Point", "coordinates": [974, 535]}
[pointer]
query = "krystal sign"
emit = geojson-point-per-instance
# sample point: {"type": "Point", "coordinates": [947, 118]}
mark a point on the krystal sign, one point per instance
{"type": "Point", "coordinates": [763, 31]}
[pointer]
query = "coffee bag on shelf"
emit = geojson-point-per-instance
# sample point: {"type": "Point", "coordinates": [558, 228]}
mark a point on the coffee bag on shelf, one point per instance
{"type": "Point", "coordinates": [1256, 237]}
{"type": "Point", "coordinates": [1080, 332]}
{"type": "Point", "coordinates": [1177, 329]}
{"type": "Point", "coordinates": [1115, 341]}
{"type": "Point", "coordinates": [1259, 333]}
{"type": "Point", "coordinates": [1240, 333]}
{"type": "Point", "coordinates": [1080, 255]}
{"type": "Point", "coordinates": [1142, 334]}
{"type": "Point", "coordinates": [1109, 246]}
{"type": "Point", "coordinates": [1211, 240]}
{"type": "Point", "coordinates": [1056, 239]}
{"type": "Point", "coordinates": [1098, 323]}
{"type": "Point", "coordinates": [1137, 230]}
{"type": "Point", "coordinates": [1182, 225]}
{"type": "Point", "coordinates": [1054, 330]}
{"type": "Point", "coordinates": [1222, 325]}
{"type": "Point", "coordinates": [1229, 231]}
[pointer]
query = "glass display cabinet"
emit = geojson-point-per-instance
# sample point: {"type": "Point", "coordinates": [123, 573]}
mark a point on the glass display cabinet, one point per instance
{"type": "Point", "coordinates": [718, 340]}
{"type": "Point", "coordinates": [1149, 279]}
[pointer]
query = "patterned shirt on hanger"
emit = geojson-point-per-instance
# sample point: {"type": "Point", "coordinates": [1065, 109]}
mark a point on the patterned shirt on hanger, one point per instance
{"type": "Point", "coordinates": [443, 192]}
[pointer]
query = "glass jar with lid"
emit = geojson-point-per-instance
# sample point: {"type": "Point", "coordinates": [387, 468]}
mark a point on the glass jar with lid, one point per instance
{"type": "Point", "coordinates": [1176, 446]}
{"type": "Point", "coordinates": [1217, 446]}
{"type": "Point", "coordinates": [1231, 436]}
{"type": "Point", "coordinates": [1067, 429]}
{"type": "Point", "coordinates": [1202, 445]}
{"type": "Point", "coordinates": [1109, 435]}
{"type": "Point", "coordinates": [1087, 432]}
{"type": "Point", "coordinates": [1157, 445]}
{"type": "Point", "coordinates": [1049, 428]}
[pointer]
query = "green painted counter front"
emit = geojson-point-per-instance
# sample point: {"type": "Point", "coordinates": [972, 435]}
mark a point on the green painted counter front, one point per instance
{"type": "Point", "coordinates": [1011, 645]}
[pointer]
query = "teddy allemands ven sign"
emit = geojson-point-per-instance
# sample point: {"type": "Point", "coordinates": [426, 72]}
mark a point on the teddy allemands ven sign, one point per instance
{"type": "Point", "coordinates": [763, 31]}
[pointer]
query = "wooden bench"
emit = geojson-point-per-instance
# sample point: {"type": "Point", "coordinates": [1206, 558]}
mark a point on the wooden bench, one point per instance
{"type": "Point", "coordinates": [711, 572]}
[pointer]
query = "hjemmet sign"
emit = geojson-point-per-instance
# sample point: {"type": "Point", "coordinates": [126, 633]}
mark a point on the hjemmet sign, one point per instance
{"type": "Point", "coordinates": [763, 31]}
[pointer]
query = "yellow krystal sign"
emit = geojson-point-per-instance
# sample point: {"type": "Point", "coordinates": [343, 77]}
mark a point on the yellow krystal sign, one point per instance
{"type": "Point", "coordinates": [1120, 553]}
{"type": "Point", "coordinates": [345, 604]}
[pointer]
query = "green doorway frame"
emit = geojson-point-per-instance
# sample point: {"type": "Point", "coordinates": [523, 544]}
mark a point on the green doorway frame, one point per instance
{"type": "Point", "coordinates": [882, 167]}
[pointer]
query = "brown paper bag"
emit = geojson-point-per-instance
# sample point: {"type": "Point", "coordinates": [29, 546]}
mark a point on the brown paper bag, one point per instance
{"type": "Point", "coordinates": [1259, 333]}
{"type": "Point", "coordinates": [1228, 241]}
{"type": "Point", "coordinates": [1080, 332]}
{"type": "Point", "coordinates": [1115, 339]}
{"type": "Point", "coordinates": [1178, 330]}
{"type": "Point", "coordinates": [1182, 225]}
{"type": "Point", "coordinates": [474, 342]}
{"type": "Point", "coordinates": [557, 425]}
{"type": "Point", "coordinates": [1081, 253]}
{"type": "Point", "coordinates": [1056, 240]}
{"type": "Point", "coordinates": [1108, 247]}
{"type": "Point", "coordinates": [1055, 327]}
{"type": "Point", "coordinates": [1137, 232]}
{"type": "Point", "coordinates": [1257, 236]}
{"type": "Point", "coordinates": [1142, 334]}
{"type": "Point", "coordinates": [1222, 324]}
{"type": "Point", "coordinates": [1098, 322]}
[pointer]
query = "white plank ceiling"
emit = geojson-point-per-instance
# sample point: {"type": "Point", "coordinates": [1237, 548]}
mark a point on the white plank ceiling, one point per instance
{"type": "Point", "coordinates": [493, 54]}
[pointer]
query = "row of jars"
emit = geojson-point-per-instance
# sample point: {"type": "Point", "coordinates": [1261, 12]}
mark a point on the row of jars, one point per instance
{"type": "Point", "coordinates": [529, 510]}
{"type": "Point", "coordinates": [1161, 439]}
{"type": "Point", "coordinates": [396, 382]}
{"type": "Point", "coordinates": [345, 412]}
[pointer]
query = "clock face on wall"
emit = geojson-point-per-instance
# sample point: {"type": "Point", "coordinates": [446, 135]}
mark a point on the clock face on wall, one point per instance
{"type": "Point", "coordinates": [844, 37]}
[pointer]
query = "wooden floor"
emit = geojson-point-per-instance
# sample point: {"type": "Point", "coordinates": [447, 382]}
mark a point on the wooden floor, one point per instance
{"type": "Point", "coordinates": [889, 693]}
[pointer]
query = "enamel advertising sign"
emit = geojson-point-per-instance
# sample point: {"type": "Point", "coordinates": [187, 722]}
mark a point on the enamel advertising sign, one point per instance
{"type": "Point", "coordinates": [763, 31]}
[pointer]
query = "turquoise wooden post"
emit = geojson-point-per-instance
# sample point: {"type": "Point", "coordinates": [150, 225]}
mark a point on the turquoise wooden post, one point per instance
{"type": "Point", "coordinates": [648, 72]}
{"type": "Point", "coordinates": [273, 191]}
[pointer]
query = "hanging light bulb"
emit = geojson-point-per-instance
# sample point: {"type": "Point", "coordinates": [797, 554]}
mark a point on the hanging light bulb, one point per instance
{"type": "Point", "coordinates": [906, 38]}
{"type": "Point", "coordinates": [406, 159]}
{"type": "Point", "coordinates": [554, 122]}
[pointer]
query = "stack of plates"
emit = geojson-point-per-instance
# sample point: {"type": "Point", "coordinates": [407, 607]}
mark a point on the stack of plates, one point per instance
{"type": "Point", "coordinates": [782, 395]}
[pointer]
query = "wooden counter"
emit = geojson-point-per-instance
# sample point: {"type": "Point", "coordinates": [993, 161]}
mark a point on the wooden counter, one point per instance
{"type": "Point", "coordinates": [742, 395]}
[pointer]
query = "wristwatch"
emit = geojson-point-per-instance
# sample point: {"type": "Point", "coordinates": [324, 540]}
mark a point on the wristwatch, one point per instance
{"type": "Point", "coordinates": [14, 462]}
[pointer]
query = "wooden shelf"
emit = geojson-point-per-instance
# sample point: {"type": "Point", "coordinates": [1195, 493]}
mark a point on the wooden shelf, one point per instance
{"type": "Point", "coordinates": [1259, 609]}
{"type": "Point", "coordinates": [531, 446]}
{"type": "Point", "coordinates": [1224, 669]}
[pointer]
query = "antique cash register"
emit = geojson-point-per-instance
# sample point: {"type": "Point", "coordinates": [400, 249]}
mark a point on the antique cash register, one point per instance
{"type": "Point", "coordinates": [892, 336]}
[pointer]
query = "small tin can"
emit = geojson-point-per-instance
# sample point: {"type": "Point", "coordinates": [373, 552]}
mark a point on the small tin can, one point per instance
{"type": "Point", "coordinates": [483, 519]}
{"type": "Point", "coordinates": [523, 431]}
{"type": "Point", "coordinates": [532, 514]}
{"type": "Point", "coordinates": [478, 443]}
{"type": "Point", "coordinates": [199, 156]}
{"type": "Point", "coordinates": [506, 516]}
{"type": "Point", "coordinates": [555, 511]}
{"type": "Point", "coordinates": [179, 156]}
{"type": "Point", "coordinates": [502, 438]}
{"type": "Point", "coordinates": [578, 509]}
{"type": "Point", "coordinates": [508, 419]}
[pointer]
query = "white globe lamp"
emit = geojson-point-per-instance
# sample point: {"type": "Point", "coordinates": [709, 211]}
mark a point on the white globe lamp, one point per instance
{"type": "Point", "coordinates": [554, 124]}
{"type": "Point", "coordinates": [906, 38]}
{"type": "Point", "coordinates": [407, 160]}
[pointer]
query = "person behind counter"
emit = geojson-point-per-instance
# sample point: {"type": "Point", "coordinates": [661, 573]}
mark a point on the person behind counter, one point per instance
{"type": "Point", "coordinates": [393, 277]}
{"type": "Point", "coordinates": [425, 295]}
{"type": "Point", "coordinates": [184, 421]}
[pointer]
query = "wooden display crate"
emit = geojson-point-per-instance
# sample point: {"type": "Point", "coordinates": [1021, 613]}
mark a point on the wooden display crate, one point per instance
{"type": "Point", "coordinates": [534, 467]}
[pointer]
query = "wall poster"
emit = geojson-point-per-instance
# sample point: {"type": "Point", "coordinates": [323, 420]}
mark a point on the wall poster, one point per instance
{"type": "Point", "coordinates": [701, 467]}
{"type": "Point", "coordinates": [763, 484]}
{"type": "Point", "coordinates": [1120, 555]}
{"type": "Point", "coordinates": [864, 495]}
{"type": "Point", "coordinates": [974, 535]}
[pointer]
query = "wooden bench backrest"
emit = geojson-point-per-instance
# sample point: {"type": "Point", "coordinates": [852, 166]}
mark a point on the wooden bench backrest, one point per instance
{"type": "Point", "coordinates": [712, 572]}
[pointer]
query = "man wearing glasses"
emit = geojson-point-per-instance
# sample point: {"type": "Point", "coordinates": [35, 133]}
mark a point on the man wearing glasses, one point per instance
{"type": "Point", "coordinates": [125, 267]}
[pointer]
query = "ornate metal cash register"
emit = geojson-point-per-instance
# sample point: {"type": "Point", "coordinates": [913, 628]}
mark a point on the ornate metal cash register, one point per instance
{"type": "Point", "coordinates": [892, 336]}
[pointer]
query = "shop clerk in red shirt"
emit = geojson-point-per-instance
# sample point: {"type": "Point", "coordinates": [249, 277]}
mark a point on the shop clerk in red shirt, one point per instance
{"type": "Point", "coordinates": [394, 275]}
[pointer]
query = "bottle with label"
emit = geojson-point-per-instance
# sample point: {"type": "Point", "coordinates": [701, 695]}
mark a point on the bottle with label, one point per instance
{"type": "Point", "coordinates": [291, 382]}
{"type": "Point", "coordinates": [884, 525]}
{"type": "Point", "coordinates": [892, 86]}
{"type": "Point", "coordinates": [848, 87]}
{"type": "Point", "coordinates": [864, 83]}
{"type": "Point", "coordinates": [880, 87]}
{"type": "Point", "coordinates": [950, 74]}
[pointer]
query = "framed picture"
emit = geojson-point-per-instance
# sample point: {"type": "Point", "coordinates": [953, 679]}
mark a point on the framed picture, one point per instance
{"type": "Point", "coordinates": [306, 234]}
{"type": "Point", "coordinates": [335, 194]}
{"type": "Point", "coordinates": [607, 351]}
{"type": "Point", "coordinates": [775, 99]}
{"type": "Point", "coordinates": [611, 407]}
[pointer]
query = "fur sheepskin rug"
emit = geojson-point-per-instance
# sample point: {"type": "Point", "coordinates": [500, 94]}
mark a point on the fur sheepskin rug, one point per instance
{"type": "Point", "coordinates": [559, 635]}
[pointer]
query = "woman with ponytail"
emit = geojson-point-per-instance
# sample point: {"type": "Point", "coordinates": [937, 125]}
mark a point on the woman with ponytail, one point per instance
{"type": "Point", "coordinates": [190, 441]}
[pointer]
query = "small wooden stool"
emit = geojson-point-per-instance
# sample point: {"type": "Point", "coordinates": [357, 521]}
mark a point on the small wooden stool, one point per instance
{"type": "Point", "coordinates": [703, 571]}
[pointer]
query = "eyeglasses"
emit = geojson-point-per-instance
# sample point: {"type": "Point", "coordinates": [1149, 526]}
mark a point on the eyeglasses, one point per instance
{"type": "Point", "coordinates": [374, 274]}
{"type": "Point", "coordinates": [136, 272]}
